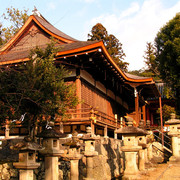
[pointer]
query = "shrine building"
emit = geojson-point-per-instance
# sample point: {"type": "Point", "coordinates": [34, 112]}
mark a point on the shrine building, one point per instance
{"type": "Point", "coordinates": [107, 94]}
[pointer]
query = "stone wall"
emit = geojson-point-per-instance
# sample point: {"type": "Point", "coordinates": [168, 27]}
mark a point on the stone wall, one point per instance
{"type": "Point", "coordinates": [107, 165]}
{"type": "Point", "coordinates": [7, 172]}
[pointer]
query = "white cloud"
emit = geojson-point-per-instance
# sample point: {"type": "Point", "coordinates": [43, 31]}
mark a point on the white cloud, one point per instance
{"type": "Point", "coordinates": [51, 5]}
{"type": "Point", "coordinates": [136, 26]}
{"type": "Point", "coordinates": [89, 1]}
{"type": "Point", "coordinates": [133, 9]}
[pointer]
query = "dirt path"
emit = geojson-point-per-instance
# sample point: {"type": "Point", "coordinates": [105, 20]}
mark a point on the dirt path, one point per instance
{"type": "Point", "coordinates": [162, 172]}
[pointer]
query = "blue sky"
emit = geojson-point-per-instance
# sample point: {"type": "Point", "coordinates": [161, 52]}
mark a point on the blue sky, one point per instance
{"type": "Point", "coordinates": [133, 22]}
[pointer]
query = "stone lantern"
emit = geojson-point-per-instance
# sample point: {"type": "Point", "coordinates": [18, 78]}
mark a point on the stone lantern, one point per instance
{"type": "Point", "coordinates": [89, 152]}
{"type": "Point", "coordinates": [130, 148]}
{"type": "Point", "coordinates": [142, 141]}
{"type": "Point", "coordinates": [52, 152]}
{"type": "Point", "coordinates": [27, 158]}
{"type": "Point", "coordinates": [174, 125]}
{"type": "Point", "coordinates": [73, 154]}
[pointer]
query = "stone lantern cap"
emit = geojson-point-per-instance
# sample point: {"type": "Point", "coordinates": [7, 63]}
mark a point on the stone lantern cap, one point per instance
{"type": "Point", "coordinates": [27, 145]}
{"type": "Point", "coordinates": [51, 133]}
{"type": "Point", "coordinates": [131, 130]}
{"type": "Point", "coordinates": [173, 121]}
{"type": "Point", "coordinates": [74, 143]}
{"type": "Point", "coordinates": [89, 137]}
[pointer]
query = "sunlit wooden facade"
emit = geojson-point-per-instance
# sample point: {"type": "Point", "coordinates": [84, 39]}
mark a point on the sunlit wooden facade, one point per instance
{"type": "Point", "coordinates": [106, 93]}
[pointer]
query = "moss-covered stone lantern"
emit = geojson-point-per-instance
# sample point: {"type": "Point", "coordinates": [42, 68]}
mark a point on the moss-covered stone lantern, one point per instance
{"type": "Point", "coordinates": [89, 152]}
{"type": "Point", "coordinates": [51, 151]}
{"type": "Point", "coordinates": [130, 148]}
{"type": "Point", "coordinates": [73, 154]}
{"type": "Point", "coordinates": [174, 125]}
{"type": "Point", "coordinates": [27, 158]}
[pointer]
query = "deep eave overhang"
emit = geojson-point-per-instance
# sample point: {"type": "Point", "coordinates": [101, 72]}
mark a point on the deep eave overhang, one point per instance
{"type": "Point", "coordinates": [95, 47]}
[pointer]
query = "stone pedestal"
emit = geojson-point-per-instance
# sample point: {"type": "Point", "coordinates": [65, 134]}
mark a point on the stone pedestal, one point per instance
{"type": "Point", "coordinates": [141, 160]}
{"type": "Point", "coordinates": [74, 169]}
{"type": "Point", "coordinates": [131, 168]}
{"type": "Point", "coordinates": [89, 164]}
{"type": "Point", "coordinates": [174, 125]}
{"type": "Point", "coordinates": [51, 168]}
{"type": "Point", "coordinates": [26, 175]}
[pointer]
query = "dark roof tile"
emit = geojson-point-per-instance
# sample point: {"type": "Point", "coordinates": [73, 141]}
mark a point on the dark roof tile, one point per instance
{"type": "Point", "coordinates": [51, 28]}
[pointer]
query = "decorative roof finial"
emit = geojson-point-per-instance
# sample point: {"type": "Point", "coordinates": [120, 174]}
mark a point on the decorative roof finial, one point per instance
{"type": "Point", "coordinates": [36, 12]}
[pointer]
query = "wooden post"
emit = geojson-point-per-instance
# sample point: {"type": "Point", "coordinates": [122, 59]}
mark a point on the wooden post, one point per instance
{"type": "Point", "coordinates": [7, 131]}
{"type": "Point", "coordinates": [144, 113]}
{"type": "Point", "coordinates": [61, 129]}
{"type": "Point", "coordinates": [105, 131]}
{"type": "Point", "coordinates": [160, 106]}
{"type": "Point", "coordinates": [78, 92]}
{"type": "Point", "coordinates": [147, 113]}
{"type": "Point", "coordinates": [92, 127]}
{"type": "Point", "coordinates": [136, 105]}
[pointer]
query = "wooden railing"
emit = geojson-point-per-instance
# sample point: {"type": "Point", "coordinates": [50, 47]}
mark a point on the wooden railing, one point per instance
{"type": "Point", "coordinates": [94, 115]}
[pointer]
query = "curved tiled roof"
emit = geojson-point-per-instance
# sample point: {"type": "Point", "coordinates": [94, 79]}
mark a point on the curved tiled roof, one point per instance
{"type": "Point", "coordinates": [52, 29]}
{"type": "Point", "coordinates": [135, 76]}
{"type": "Point", "coordinates": [24, 53]}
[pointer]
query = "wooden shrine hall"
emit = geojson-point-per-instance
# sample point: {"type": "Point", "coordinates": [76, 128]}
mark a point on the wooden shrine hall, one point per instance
{"type": "Point", "coordinates": [107, 94]}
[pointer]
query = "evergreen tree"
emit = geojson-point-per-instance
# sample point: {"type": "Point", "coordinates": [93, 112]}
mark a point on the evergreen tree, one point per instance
{"type": "Point", "coordinates": [16, 18]}
{"type": "Point", "coordinates": [112, 44]}
{"type": "Point", "coordinates": [150, 60]}
{"type": "Point", "coordinates": [167, 43]}
{"type": "Point", "coordinates": [36, 89]}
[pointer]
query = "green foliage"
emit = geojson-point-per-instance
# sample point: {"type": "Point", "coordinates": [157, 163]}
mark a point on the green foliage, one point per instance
{"type": "Point", "coordinates": [16, 18]}
{"type": "Point", "coordinates": [150, 61]}
{"type": "Point", "coordinates": [36, 88]}
{"type": "Point", "coordinates": [112, 44]}
{"type": "Point", "coordinates": [166, 112]}
{"type": "Point", "coordinates": [144, 73]}
{"type": "Point", "coordinates": [167, 43]}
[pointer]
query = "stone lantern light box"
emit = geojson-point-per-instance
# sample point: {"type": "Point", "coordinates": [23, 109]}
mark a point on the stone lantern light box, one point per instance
{"type": "Point", "coordinates": [51, 141]}
{"type": "Point", "coordinates": [27, 154]}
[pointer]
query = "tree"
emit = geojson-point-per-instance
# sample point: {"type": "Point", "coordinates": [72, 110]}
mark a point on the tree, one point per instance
{"type": "Point", "coordinates": [167, 43]}
{"type": "Point", "coordinates": [166, 112]}
{"type": "Point", "coordinates": [112, 44]}
{"type": "Point", "coordinates": [150, 60]}
{"type": "Point", "coordinates": [36, 89]}
{"type": "Point", "coordinates": [16, 18]}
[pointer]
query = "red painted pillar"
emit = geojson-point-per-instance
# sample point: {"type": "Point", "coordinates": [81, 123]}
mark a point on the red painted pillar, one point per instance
{"type": "Point", "coordinates": [160, 106]}
{"type": "Point", "coordinates": [144, 113]}
{"type": "Point", "coordinates": [136, 106]}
